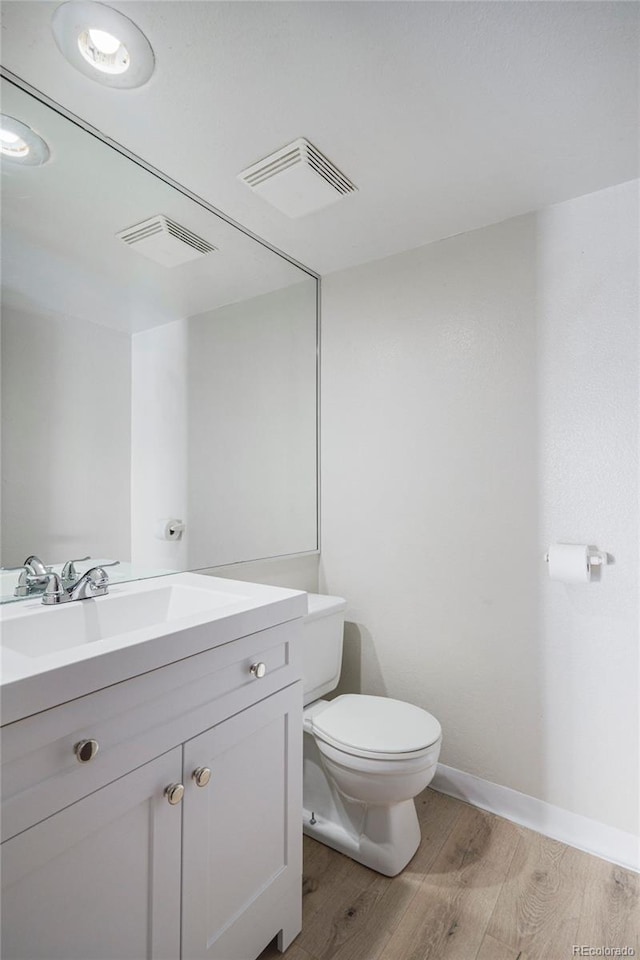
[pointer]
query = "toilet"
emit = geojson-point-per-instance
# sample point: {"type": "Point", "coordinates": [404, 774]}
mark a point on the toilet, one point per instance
{"type": "Point", "coordinates": [365, 758]}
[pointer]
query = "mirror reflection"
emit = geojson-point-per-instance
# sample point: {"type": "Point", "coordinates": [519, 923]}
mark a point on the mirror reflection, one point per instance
{"type": "Point", "coordinates": [158, 370]}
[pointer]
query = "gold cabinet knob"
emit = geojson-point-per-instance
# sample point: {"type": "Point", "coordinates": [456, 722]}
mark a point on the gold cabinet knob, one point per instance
{"type": "Point", "coordinates": [258, 670]}
{"type": "Point", "coordinates": [174, 793]}
{"type": "Point", "coordinates": [201, 776]}
{"type": "Point", "coordinates": [85, 750]}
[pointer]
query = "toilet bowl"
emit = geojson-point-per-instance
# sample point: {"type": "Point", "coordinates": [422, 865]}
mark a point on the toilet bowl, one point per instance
{"type": "Point", "coordinates": [365, 758]}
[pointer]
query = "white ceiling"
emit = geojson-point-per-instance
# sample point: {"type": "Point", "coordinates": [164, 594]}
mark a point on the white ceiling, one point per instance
{"type": "Point", "coordinates": [446, 115]}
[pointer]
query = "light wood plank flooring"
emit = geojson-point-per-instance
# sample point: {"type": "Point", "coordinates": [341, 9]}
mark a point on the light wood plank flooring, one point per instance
{"type": "Point", "coordinates": [479, 888]}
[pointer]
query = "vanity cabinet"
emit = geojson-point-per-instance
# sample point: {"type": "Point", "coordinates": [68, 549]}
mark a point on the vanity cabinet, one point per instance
{"type": "Point", "coordinates": [101, 878]}
{"type": "Point", "coordinates": [95, 870]}
{"type": "Point", "coordinates": [242, 832]}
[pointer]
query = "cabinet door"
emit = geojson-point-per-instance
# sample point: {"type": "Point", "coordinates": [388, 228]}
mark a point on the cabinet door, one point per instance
{"type": "Point", "coordinates": [242, 839]}
{"type": "Point", "coordinates": [100, 880]}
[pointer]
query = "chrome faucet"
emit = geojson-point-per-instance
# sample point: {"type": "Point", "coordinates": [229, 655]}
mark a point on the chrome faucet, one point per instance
{"type": "Point", "coordinates": [33, 577]}
{"type": "Point", "coordinates": [93, 583]}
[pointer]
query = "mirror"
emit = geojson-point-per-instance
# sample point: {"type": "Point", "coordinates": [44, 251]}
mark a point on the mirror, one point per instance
{"type": "Point", "coordinates": [149, 375]}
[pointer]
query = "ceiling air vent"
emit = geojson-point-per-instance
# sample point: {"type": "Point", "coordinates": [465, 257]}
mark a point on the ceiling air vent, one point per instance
{"type": "Point", "coordinates": [297, 179]}
{"type": "Point", "coordinates": [165, 241]}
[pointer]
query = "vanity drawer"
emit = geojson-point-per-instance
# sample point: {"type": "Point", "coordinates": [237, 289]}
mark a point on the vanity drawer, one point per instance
{"type": "Point", "coordinates": [137, 720]}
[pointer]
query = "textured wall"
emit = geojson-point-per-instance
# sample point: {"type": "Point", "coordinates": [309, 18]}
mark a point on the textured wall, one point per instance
{"type": "Point", "coordinates": [479, 400]}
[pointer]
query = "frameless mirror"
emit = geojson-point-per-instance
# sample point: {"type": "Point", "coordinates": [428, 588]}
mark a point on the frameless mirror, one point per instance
{"type": "Point", "coordinates": [158, 365]}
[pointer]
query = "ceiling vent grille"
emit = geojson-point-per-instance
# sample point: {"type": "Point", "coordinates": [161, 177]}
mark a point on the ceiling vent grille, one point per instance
{"type": "Point", "coordinates": [165, 241]}
{"type": "Point", "coordinates": [297, 179]}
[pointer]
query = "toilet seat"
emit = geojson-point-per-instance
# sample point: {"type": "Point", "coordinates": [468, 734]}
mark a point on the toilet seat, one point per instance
{"type": "Point", "coordinates": [376, 728]}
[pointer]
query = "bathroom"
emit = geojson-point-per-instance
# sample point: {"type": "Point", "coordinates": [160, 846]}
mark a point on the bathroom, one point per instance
{"type": "Point", "coordinates": [374, 337]}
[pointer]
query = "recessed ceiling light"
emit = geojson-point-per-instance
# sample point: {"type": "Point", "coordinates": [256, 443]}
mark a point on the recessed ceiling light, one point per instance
{"type": "Point", "coordinates": [103, 44]}
{"type": "Point", "coordinates": [103, 51]}
{"type": "Point", "coordinates": [20, 144]}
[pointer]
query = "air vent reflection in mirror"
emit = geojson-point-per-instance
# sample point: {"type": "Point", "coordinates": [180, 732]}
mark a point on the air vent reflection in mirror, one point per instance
{"type": "Point", "coordinates": [165, 241]}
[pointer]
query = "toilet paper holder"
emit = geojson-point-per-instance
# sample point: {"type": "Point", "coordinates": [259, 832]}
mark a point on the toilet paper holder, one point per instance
{"type": "Point", "coordinates": [596, 558]}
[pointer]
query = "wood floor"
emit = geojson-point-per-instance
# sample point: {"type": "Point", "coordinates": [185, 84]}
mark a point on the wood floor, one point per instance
{"type": "Point", "coordinates": [479, 888]}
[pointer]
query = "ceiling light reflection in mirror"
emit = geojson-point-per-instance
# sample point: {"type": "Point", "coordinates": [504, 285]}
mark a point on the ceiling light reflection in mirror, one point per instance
{"type": "Point", "coordinates": [20, 144]}
{"type": "Point", "coordinates": [157, 362]}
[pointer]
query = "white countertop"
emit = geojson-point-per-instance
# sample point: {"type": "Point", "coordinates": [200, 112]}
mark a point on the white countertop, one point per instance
{"type": "Point", "coordinates": [33, 679]}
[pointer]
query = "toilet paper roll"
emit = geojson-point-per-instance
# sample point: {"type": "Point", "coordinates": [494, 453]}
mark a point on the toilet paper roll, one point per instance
{"type": "Point", "coordinates": [569, 562]}
{"type": "Point", "coordinates": [168, 529]}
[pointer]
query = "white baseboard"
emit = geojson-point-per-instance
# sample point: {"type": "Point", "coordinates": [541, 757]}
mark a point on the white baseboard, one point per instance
{"type": "Point", "coordinates": [571, 828]}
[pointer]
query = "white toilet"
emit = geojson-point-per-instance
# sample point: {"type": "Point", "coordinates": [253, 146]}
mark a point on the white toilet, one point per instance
{"type": "Point", "coordinates": [365, 758]}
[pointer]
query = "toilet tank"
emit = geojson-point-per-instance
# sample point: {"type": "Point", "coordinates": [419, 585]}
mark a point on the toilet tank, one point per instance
{"type": "Point", "coordinates": [322, 646]}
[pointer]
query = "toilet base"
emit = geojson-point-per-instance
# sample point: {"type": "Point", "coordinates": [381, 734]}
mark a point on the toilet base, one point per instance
{"type": "Point", "coordinates": [389, 837]}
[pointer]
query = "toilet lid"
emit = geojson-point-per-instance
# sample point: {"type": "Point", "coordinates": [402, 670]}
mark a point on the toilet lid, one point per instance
{"type": "Point", "coordinates": [357, 723]}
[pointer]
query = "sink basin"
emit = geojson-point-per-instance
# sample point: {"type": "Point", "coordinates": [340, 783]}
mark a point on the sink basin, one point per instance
{"type": "Point", "coordinates": [52, 654]}
{"type": "Point", "coordinates": [42, 631]}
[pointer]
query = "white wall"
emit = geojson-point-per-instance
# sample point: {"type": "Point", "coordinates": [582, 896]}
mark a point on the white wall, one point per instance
{"type": "Point", "coordinates": [65, 438]}
{"type": "Point", "coordinates": [224, 432]}
{"type": "Point", "coordinates": [159, 359]}
{"type": "Point", "coordinates": [296, 573]}
{"type": "Point", "coordinates": [480, 400]}
{"type": "Point", "coordinates": [252, 428]}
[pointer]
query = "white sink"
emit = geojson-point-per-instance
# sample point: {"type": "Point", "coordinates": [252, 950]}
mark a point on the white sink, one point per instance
{"type": "Point", "coordinates": [45, 630]}
{"type": "Point", "coordinates": [51, 654]}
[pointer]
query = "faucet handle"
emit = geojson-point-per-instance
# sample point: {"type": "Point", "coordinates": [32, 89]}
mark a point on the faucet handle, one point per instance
{"type": "Point", "coordinates": [69, 571]}
{"type": "Point", "coordinates": [93, 583]}
{"type": "Point", "coordinates": [54, 591]}
{"type": "Point", "coordinates": [97, 574]}
{"type": "Point", "coordinates": [100, 568]}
